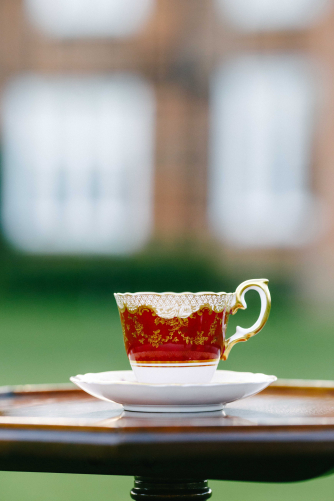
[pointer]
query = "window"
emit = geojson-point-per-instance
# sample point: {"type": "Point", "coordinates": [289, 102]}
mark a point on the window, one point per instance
{"type": "Point", "coordinates": [262, 123]}
{"type": "Point", "coordinates": [78, 157]}
{"type": "Point", "coordinates": [89, 18]}
{"type": "Point", "coordinates": [264, 15]}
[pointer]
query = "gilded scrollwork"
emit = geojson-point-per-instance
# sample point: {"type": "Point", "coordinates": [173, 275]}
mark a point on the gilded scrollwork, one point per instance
{"type": "Point", "coordinates": [217, 321]}
{"type": "Point", "coordinates": [174, 324]}
{"type": "Point", "coordinates": [200, 338]}
{"type": "Point", "coordinates": [187, 339]}
{"type": "Point", "coordinates": [138, 327]}
{"type": "Point", "coordinates": [175, 329]}
{"type": "Point", "coordinates": [156, 339]}
{"type": "Point", "coordinates": [124, 327]}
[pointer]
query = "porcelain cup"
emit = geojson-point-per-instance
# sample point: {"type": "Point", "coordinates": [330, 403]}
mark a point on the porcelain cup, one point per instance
{"type": "Point", "coordinates": [180, 338]}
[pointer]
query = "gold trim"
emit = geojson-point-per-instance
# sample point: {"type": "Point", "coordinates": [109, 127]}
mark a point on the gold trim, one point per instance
{"type": "Point", "coordinates": [175, 366]}
{"type": "Point", "coordinates": [213, 361]}
{"type": "Point", "coordinates": [239, 304]}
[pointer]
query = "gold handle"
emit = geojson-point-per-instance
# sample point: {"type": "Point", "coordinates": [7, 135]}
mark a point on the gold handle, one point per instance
{"type": "Point", "coordinates": [242, 334]}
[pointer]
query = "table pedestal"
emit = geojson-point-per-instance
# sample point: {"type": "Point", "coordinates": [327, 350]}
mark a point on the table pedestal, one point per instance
{"type": "Point", "coordinates": [178, 489]}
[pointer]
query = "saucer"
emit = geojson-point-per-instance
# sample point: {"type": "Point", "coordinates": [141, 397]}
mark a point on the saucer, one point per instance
{"type": "Point", "coordinates": [121, 387]}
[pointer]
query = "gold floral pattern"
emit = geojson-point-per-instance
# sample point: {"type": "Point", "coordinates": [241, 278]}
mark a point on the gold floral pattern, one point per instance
{"type": "Point", "coordinates": [156, 339]}
{"type": "Point", "coordinates": [200, 338]}
{"type": "Point", "coordinates": [174, 324]}
{"type": "Point", "coordinates": [217, 321]}
{"type": "Point", "coordinates": [177, 329]}
{"type": "Point", "coordinates": [124, 328]}
{"type": "Point", "coordinates": [139, 328]}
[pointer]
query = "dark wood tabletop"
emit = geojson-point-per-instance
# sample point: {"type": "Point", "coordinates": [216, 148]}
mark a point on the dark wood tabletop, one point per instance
{"type": "Point", "coordinates": [285, 433]}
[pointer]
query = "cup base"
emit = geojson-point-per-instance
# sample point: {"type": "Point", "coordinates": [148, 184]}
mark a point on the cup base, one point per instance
{"type": "Point", "coordinates": [175, 373]}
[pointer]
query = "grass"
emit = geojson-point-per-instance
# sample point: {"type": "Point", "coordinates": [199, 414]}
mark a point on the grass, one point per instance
{"type": "Point", "coordinates": [46, 340]}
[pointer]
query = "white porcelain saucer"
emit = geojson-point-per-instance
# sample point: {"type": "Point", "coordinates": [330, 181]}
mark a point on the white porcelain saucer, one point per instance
{"type": "Point", "coordinates": [121, 387]}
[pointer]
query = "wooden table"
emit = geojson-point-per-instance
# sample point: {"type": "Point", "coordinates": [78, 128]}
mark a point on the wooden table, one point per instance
{"type": "Point", "coordinates": [284, 434]}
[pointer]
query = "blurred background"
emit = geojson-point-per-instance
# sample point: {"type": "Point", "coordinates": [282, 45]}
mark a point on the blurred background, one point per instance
{"type": "Point", "coordinates": [163, 145]}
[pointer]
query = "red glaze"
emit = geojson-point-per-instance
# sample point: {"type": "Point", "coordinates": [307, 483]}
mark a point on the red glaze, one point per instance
{"type": "Point", "coordinates": [150, 338]}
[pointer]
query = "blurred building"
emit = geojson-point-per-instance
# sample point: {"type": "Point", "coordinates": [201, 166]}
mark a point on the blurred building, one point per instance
{"type": "Point", "coordinates": [127, 122]}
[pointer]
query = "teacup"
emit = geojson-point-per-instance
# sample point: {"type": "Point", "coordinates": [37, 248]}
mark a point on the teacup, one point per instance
{"type": "Point", "coordinates": [180, 338]}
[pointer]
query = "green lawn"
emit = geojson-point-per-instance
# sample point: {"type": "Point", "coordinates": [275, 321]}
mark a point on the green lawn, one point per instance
{"type": "Point", "coordinates": [46, 340]}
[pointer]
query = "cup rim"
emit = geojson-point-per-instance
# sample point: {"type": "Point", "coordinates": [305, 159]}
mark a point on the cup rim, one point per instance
{"type": "Point", "coordinates": [171, 293]}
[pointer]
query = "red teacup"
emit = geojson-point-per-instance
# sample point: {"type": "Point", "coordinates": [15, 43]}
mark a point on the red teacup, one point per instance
{"type": "Point", "coordinates": [180, 338]}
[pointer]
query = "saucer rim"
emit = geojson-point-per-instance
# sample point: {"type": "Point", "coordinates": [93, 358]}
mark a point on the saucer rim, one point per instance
{"type": "Point", "coordinates": [80, 378]}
